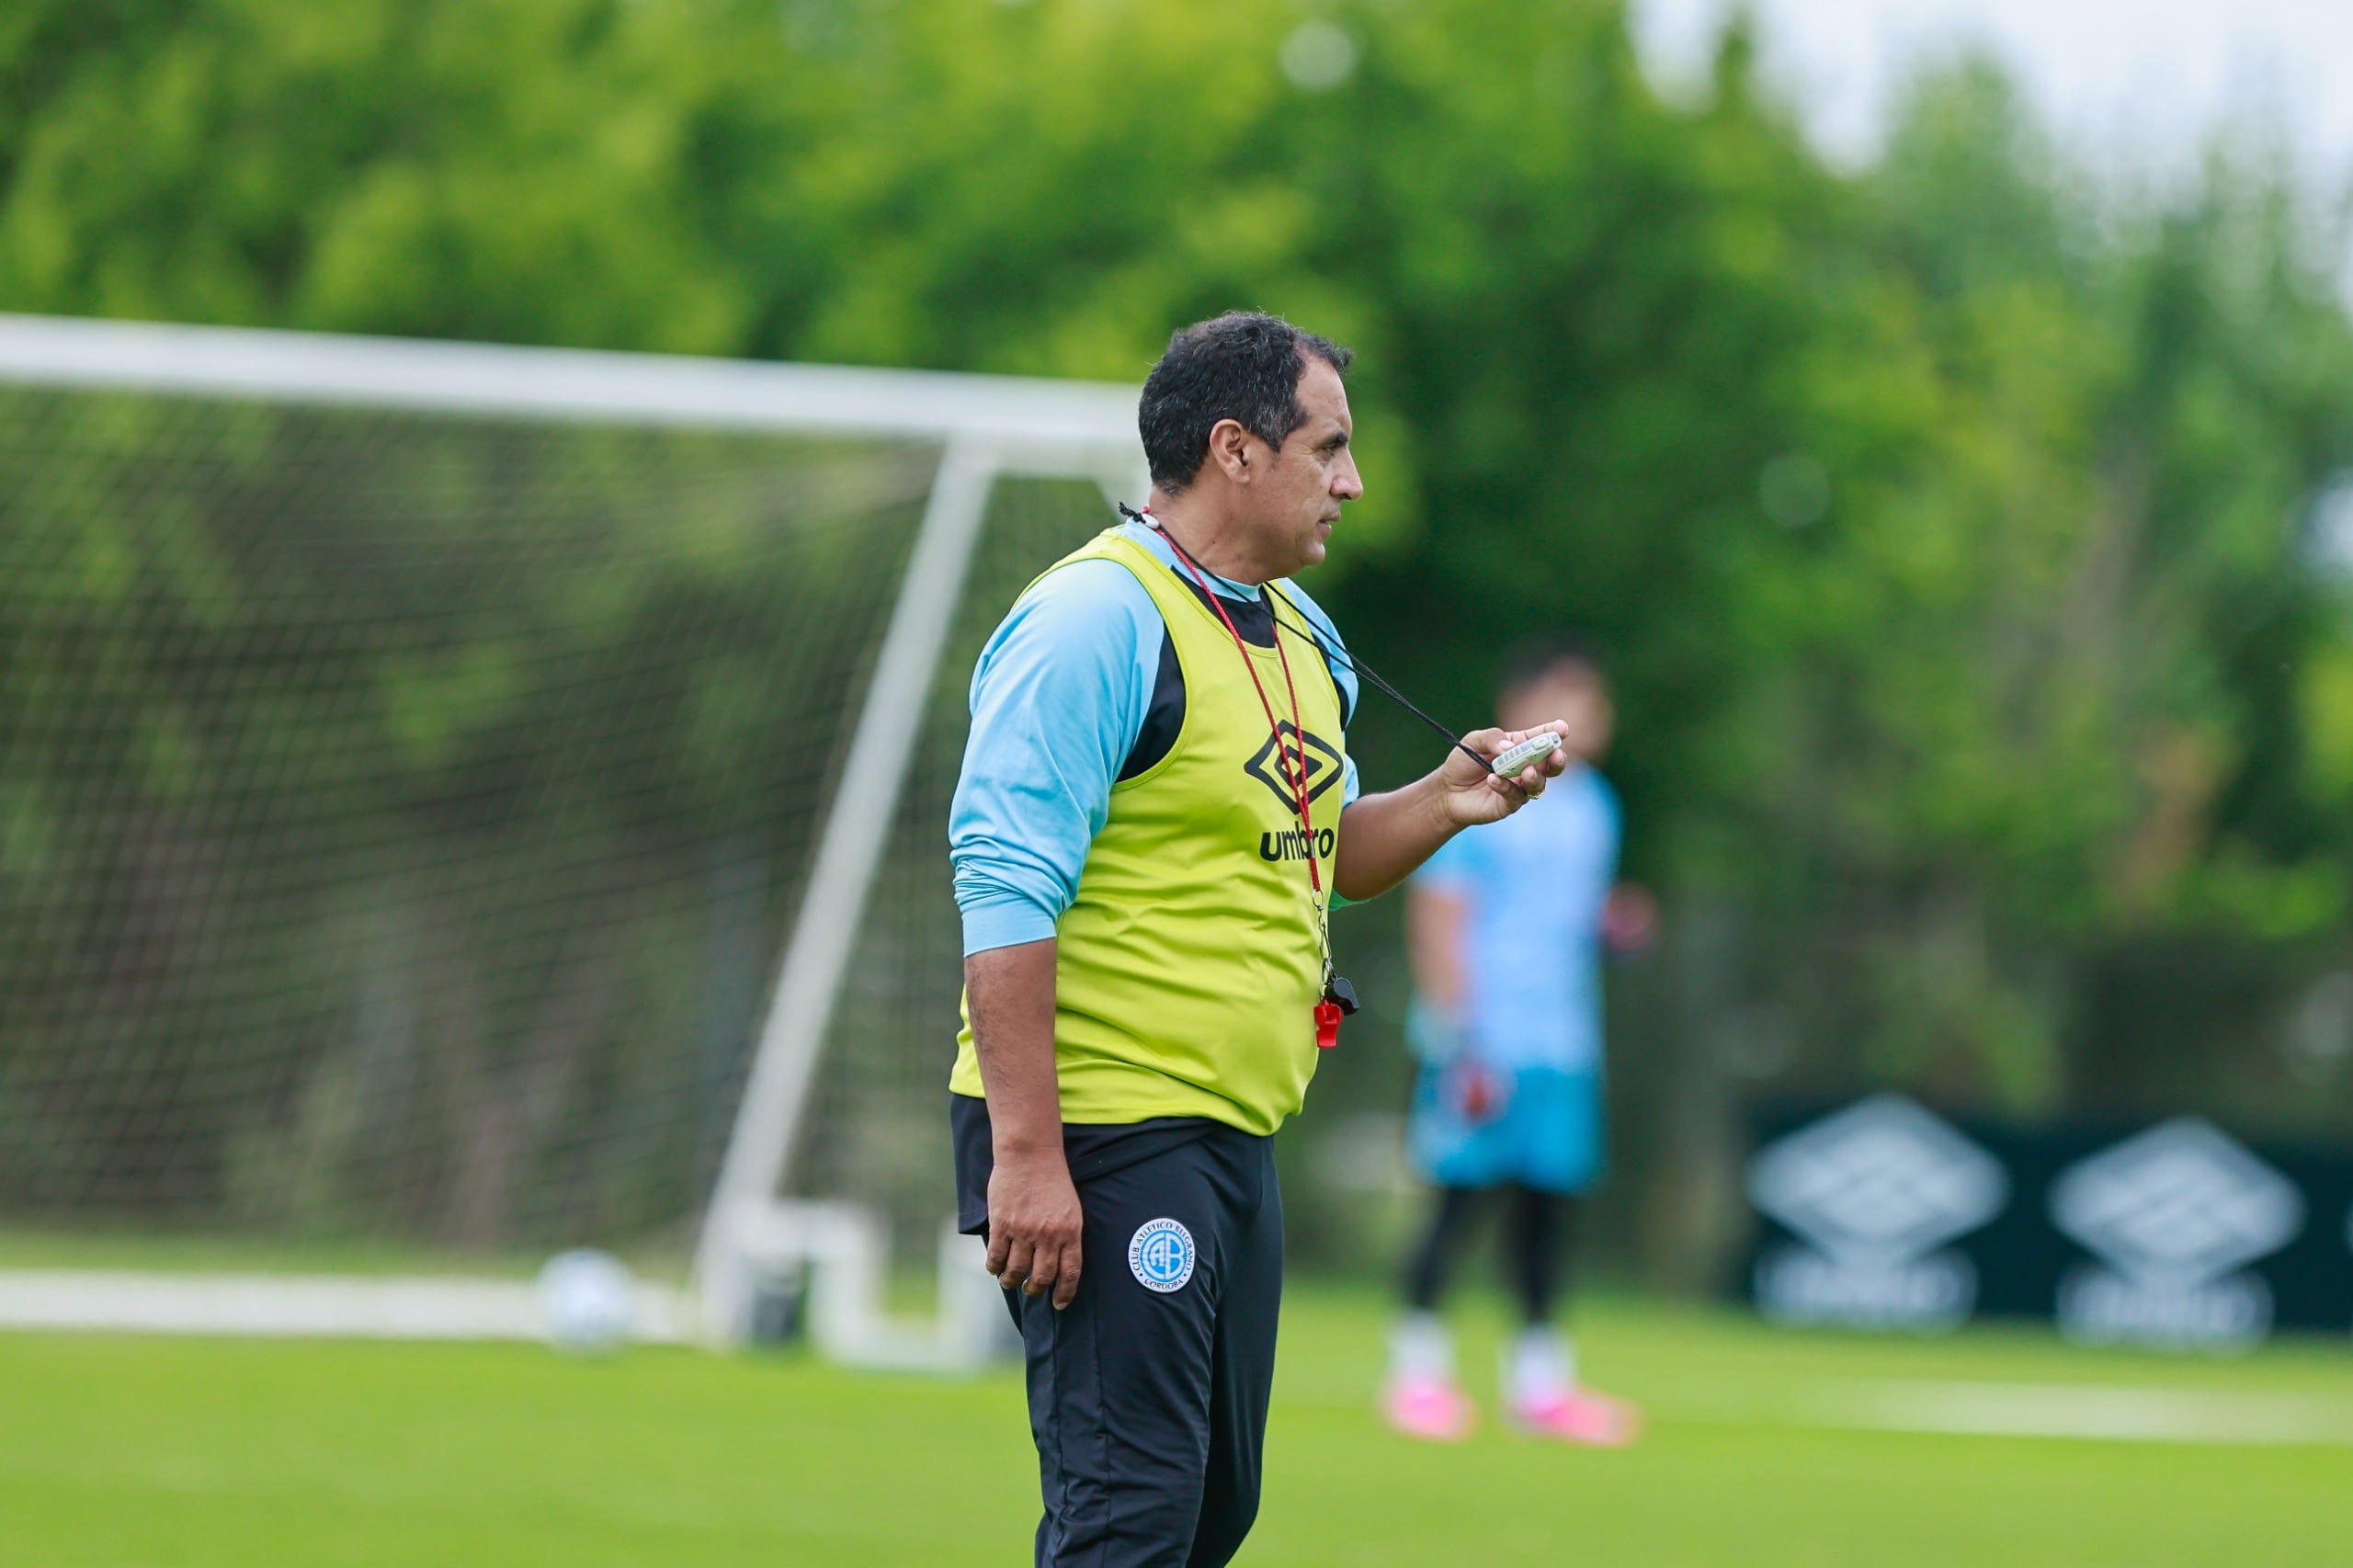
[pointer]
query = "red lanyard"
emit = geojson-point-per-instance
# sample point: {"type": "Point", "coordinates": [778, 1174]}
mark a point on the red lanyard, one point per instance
{"type": "Point", "coordinates": [1328, 1010]}
{"type": "Point", "coordinates": [1296, 784]}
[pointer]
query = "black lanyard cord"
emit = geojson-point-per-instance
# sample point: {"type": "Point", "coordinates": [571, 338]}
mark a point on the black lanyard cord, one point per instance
{"type": "Point", "coordinates": [1358, 668]}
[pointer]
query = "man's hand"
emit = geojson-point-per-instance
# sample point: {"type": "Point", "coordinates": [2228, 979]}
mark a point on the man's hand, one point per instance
{"type": "Point", "coordinates": [1470, 796]}
{"type": "Point", "coordinates": [1034, 1226]}
{"type": "Point", "coordinates": [1383, 837]}
{"type": "Point", "coordinates": [1033, 1206]}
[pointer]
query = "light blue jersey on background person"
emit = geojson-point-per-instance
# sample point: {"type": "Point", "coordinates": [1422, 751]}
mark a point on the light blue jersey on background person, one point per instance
{"type": "Point", "coordinates": [1511, 1083]}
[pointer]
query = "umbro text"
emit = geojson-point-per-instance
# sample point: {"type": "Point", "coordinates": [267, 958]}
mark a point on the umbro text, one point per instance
{"type": "Point", "coordinates": [1291, 844]}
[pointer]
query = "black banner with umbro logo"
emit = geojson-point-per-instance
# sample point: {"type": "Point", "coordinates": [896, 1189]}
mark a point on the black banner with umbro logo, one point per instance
{"type": "Point", "coordinates": [2176, 1235]}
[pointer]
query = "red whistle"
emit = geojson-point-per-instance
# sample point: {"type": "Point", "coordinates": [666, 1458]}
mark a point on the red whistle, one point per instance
{"type": "Point", "coordinates": [1327, 1025]}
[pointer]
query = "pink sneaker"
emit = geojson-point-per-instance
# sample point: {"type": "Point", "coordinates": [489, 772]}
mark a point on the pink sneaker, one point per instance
{"type": "Point", "coordinates": [1431, 1408]}
{"type": "Point", "coordinates": [1580, 1416]}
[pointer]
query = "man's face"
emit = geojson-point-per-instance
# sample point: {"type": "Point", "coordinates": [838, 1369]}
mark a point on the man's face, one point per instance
{"type": "Point", "coordinates": [1295, 502]}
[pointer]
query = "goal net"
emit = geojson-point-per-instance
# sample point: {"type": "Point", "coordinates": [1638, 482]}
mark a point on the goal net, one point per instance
{"type": "Point", "coordinates": [464, 803]}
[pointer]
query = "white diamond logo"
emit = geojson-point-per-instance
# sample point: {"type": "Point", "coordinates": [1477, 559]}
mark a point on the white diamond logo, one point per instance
{"type": "Point", "coordinates": [1881, 1182]}
{"type": "Point", "coordinates": [2180, 1203]}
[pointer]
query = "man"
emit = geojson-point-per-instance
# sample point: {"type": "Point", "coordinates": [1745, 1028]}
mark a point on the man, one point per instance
{"type": "Point", "coordinates": [1156, 809]}
{"type": "Point", "coordinates": [1505, 930]}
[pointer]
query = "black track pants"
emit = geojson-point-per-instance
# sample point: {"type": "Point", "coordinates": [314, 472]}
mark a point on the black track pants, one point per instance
{"type": "Point", "coordinates": [1149, 1406]}
{"type": "Point", "coordinates": [1538, 1235]}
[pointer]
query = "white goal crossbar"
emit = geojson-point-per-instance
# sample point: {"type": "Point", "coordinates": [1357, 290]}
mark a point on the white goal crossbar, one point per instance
{"type": "Point", "coordinates": [1084, 429]}
{"type": "Point", "coordinates": [985, 426]}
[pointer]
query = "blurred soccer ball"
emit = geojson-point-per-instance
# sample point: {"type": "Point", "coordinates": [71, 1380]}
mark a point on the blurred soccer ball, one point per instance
{"type": "Point", "coordinates": [587, 1300]}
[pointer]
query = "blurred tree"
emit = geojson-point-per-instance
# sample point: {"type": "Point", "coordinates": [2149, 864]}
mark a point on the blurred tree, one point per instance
{"type": "Point", "coordinates": [1948, 524]}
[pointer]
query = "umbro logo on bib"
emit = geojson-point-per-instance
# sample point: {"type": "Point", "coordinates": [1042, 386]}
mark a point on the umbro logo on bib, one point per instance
{"type": "Point", "coordinates": [1321, 759]}
{"type": "Point", "coordinates": [1161, 1256]}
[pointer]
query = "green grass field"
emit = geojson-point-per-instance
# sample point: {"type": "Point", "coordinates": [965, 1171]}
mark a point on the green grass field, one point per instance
{"type": "Point", "coordinates": [119, 1451]}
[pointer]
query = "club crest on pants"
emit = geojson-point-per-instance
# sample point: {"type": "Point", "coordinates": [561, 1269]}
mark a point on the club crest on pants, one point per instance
{"type": "Point", "coordinates": [1161, 1256]}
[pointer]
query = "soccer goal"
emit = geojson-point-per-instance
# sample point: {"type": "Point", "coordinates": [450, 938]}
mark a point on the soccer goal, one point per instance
{"type": "Point", "coordinates": [462, 803]}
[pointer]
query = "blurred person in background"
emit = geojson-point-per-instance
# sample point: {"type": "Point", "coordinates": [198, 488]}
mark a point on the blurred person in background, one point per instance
{"type": "Point", "coordinates": [1506, 929]}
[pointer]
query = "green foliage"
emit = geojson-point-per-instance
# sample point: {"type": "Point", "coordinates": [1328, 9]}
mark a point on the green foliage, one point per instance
{"type": "Point", "coordinates": [1946, 522]}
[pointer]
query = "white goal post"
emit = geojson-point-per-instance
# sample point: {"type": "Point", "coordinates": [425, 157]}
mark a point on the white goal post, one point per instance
{"type": "Point", "coordinates": [985, 429]}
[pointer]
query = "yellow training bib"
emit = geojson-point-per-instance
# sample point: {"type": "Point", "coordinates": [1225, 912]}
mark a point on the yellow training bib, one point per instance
{"type": "Point", "coordinates": [1187, 969]}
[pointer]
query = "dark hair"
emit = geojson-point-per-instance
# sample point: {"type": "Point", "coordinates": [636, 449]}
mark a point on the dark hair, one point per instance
{"type": "Point", "coordinates": [1531, 661]}
{"type": "Point", "coordinates": [1243, 365]}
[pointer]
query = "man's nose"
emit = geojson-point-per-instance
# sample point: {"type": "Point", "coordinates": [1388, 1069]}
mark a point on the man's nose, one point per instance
{"type": "Point", "coordinates": [1346, 484]}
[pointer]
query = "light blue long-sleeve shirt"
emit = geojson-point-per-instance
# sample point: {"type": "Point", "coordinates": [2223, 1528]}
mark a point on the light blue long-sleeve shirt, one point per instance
{"type": "Point", "coordinates": [1059, 697]}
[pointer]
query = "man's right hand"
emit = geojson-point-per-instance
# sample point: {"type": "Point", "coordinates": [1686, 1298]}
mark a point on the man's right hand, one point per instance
{"type": "Point", "coordinates": [1034, 1226]}
{"type": "Point", "coordinates": [1033, 1207]}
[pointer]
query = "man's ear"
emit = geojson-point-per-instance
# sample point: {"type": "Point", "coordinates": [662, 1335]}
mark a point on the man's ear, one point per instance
{"type": "Point", "coordinates": [1230, 450]}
